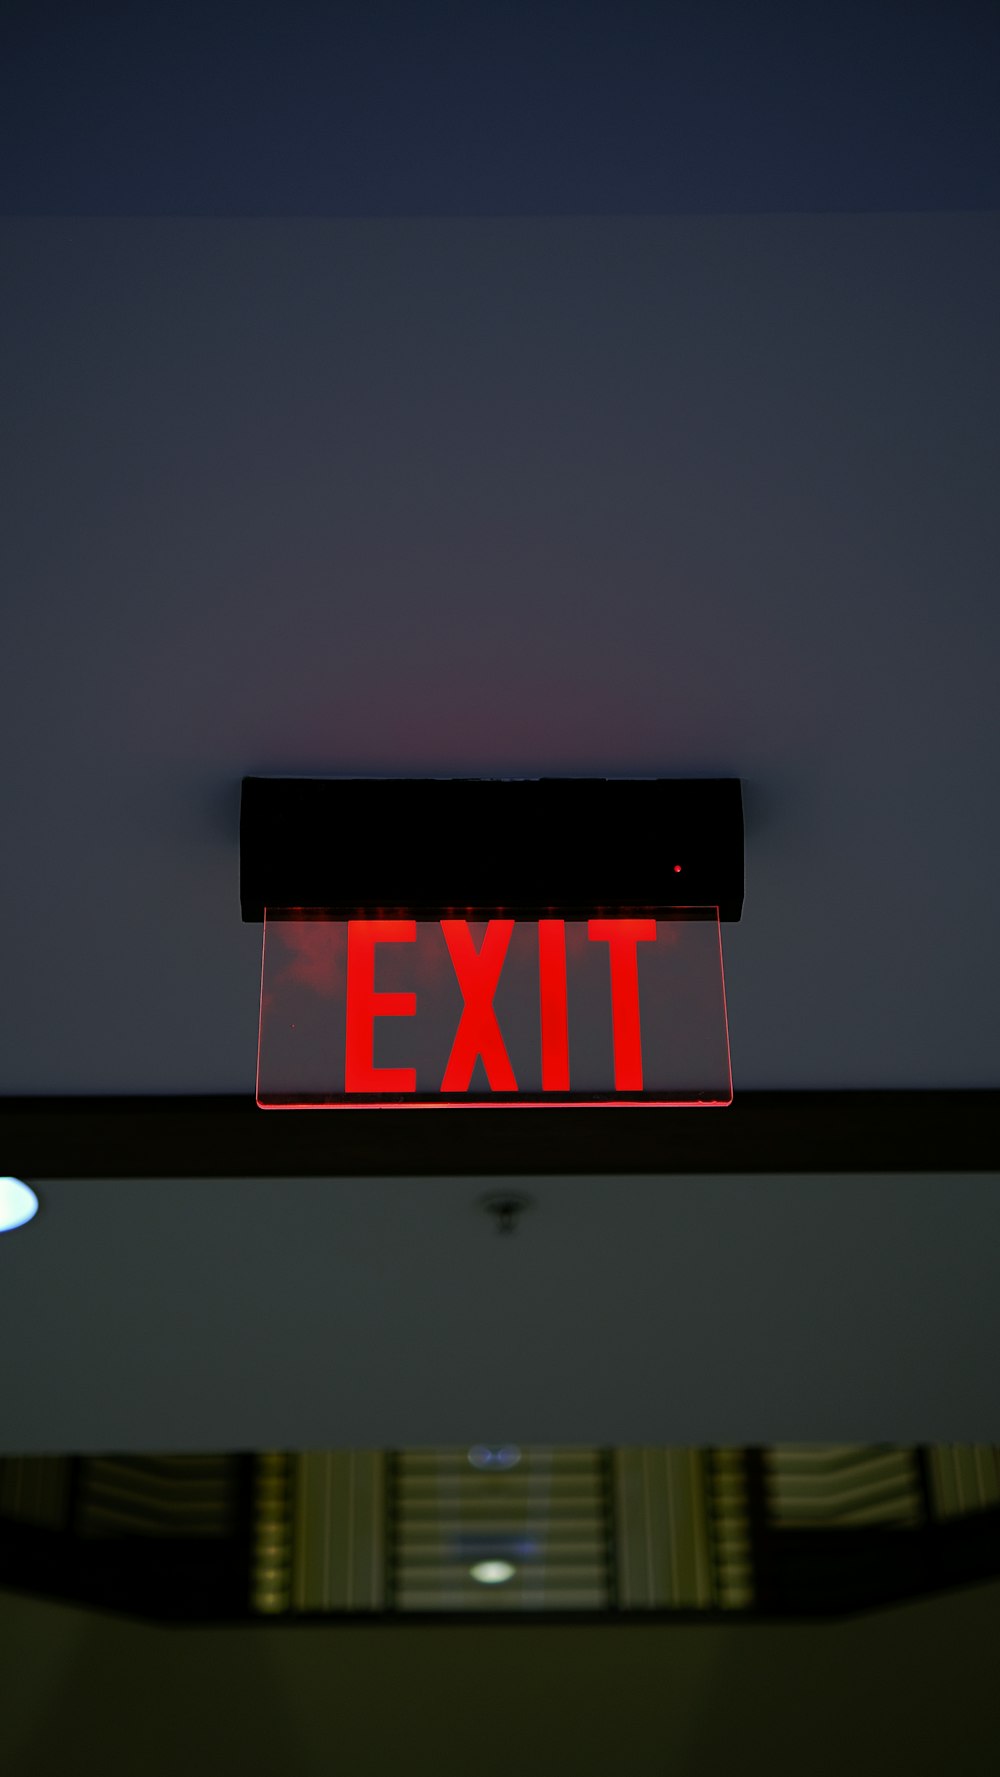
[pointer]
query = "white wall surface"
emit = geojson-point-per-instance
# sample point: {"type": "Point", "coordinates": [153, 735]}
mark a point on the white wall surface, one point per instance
{"type": "Point", "coordinates": [243, 1314]}
{"type": "Point", "coordinates": [669, 496]}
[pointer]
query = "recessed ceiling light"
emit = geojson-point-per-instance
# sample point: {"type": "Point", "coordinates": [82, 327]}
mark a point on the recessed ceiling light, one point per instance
{"type": "Point", "coordinates": [492, 1573]}
{"type": "Point", "coordinates": [494, 1456]}
{"type": "Point", "coordinates": [18, 1204]}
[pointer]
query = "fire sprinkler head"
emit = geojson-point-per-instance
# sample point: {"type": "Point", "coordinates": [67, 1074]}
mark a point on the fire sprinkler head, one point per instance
{"type": "Point", "coordinates": [506, 1209]}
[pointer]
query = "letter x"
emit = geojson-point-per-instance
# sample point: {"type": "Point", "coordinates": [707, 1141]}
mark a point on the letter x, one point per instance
{"type": "Point", "coordinates": [478, 1033]}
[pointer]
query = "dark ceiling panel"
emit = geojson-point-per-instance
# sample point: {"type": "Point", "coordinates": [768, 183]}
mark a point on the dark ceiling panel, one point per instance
{"type": "Point", "coordinates": [535, 107]}
{"type": "Point", "coordinates": [772, 1132]}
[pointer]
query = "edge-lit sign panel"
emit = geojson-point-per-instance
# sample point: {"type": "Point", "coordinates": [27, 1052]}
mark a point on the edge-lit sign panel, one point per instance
{"type": "Point", "coordinates": [464, 1013]}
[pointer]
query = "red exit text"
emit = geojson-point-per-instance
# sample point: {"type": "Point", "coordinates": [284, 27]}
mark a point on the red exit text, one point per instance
{"type": "Point", "coordinates": [478, 1037]}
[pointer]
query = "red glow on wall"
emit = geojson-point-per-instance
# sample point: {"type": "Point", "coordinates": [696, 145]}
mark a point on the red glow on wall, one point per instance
{"type": "Point", "coordinates": [478, 1034]}
{"type": "Point", "coordinates": [364, 1005]}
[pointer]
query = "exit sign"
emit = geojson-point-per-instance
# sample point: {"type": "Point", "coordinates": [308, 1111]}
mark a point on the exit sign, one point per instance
{"type": "Point", "coordinates": [461, 1012]}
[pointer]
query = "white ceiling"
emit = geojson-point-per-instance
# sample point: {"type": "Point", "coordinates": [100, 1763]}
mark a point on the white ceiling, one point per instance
{"type": "Point", "coordinates": [671, 496]}
{"type": "Point", "coordinates": [678, 496]}
{"type": "Point", "coordinates": [291, 1313]}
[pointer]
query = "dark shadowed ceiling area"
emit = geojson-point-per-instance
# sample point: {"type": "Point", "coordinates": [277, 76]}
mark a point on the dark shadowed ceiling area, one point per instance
{"type": "Point", "coordinates": [501, 107]}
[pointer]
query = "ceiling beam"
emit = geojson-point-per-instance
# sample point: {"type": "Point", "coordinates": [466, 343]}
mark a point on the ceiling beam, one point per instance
{"type": "Point", "coordinates": [761, 1132]}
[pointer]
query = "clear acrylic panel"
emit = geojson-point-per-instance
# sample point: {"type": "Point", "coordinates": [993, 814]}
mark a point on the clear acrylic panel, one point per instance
{"type": "Point", "coordinates": [409, 1013]}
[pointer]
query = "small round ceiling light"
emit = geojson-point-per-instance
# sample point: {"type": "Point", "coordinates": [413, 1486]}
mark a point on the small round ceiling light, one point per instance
{"type": "Point", "coordinates": [492, 1573]}
{"type": "Point", "coordinates": [18, 1204]}
{"type": "Point", "coordinates": [494, 1457]}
